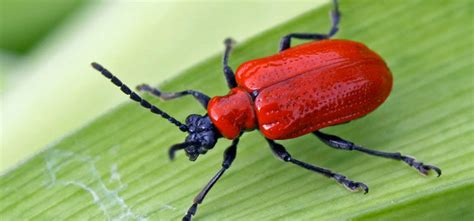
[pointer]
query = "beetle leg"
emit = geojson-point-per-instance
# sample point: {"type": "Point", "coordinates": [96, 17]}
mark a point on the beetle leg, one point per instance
{"type": "Point", "coordinates": [280, 151]}
{"type": "Point", "coordinates": [229, 156]}
{"type": "Point", "coordinates": [202, 98]}
{"type": "Point", "coordinates": [228, 72]}
{"type": "Point", "coordinates": [285, 42]}
{"type": "Point", "coordinates": [339, 143]}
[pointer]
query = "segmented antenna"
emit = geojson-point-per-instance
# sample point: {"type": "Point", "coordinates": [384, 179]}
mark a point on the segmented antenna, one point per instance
{"type": "Point", "coordinates": [134, 96]}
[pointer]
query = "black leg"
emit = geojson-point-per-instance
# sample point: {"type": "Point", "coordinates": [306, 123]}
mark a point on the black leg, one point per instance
{"type": "Point", "coordinates": [339, 143]}
{"type": "Point", "coordinates": [229, 156]}
{"type": "Point", "coordinates": [280, 151]}
{"type": "Point", "coordinates": [285, 42]}
{"type": "Point", "coordinates": [202, 98]}
{"type": "Point", "coordinates": [229, 74]}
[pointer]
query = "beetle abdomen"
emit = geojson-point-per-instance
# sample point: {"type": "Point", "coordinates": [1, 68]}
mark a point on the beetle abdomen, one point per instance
{"type": "Point", "coordinates": [323, 96]}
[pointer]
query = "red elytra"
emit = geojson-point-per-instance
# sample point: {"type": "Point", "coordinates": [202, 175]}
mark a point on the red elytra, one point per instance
{"type": "Point", "coordinates": [303, 89]}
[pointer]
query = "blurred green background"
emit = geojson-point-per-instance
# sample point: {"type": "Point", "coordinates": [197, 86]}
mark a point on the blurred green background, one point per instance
{"type": "Point", "coordinates": [47, 86]}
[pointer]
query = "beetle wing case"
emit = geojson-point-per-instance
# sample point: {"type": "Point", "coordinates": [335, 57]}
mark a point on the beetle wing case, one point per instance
{"type": "Point", "coordinates": [315, 85]}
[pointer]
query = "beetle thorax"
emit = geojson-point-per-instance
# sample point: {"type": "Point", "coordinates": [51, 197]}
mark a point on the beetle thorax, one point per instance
{"type": "Point", "coordinates": [233, 113]}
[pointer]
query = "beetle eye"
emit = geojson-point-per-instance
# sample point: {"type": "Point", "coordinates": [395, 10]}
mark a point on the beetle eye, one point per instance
{"type": "Point", "coordinates": [202, 124]}
{"type": "Point", "coordinates": [191, 128]}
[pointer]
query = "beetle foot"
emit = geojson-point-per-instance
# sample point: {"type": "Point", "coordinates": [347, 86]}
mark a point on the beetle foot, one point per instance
{"type": "Point", "coordinates": [351, 185]}
{"type": "Point", "coordinates": [144, 87]}
{"type": "Point", "coordinates": [229, 42]}
{"type": "Point", "coordinates": [422, 168]}
{"type": "Point", "coordinates": [162, 95]}
{"type": "Point", "coordinates": [154, 91]}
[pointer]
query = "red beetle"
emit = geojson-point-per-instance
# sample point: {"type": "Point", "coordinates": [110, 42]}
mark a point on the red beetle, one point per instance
{"type": "Point", "coordinates": [303, 89]}
{"type": "Point", "coordinates": [295, 92]}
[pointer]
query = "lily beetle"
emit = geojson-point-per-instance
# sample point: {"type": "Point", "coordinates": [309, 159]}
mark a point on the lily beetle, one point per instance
{"type": "Point", "coordinates": [297, 91]}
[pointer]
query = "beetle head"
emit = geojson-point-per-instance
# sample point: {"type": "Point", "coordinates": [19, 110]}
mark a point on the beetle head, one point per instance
{"type": "Point", "coordinates": [202, 137]}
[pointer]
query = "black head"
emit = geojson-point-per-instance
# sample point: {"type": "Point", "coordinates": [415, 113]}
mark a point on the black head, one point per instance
{"type": "Point", "coordinates": [202, 137]}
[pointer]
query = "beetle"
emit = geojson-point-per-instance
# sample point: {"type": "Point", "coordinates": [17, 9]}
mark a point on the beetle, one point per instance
{"type": "Point", "coordinates": [295, 92]}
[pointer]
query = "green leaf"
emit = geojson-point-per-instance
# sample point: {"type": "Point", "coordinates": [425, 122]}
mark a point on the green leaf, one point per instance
{"type": "Point", "coordinates": [117, 167]}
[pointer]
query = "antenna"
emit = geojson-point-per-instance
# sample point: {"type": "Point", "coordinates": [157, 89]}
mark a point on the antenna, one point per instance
{"type": "Point", "coordinates": [134, 96]}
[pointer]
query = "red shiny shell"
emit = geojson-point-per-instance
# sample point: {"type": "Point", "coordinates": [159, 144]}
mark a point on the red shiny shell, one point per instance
{"type": "Point", "coordinates": [312, 86]}
{"type": "Point", "coordinates": [232, 113]}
